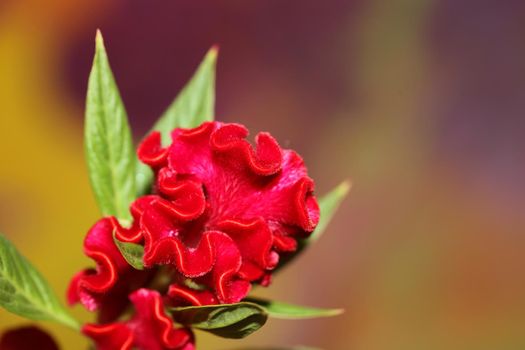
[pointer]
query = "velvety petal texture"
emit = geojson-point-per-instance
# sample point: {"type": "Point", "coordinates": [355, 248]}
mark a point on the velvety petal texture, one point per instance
{"type": "Point", "coordinates": [224, 210]}
{"type": "Point", "coordinates": [149, 328]}
{"type": "Point", "coordinates": [220, 214]}
{"type": "Point", "coordinates": [106, 287]}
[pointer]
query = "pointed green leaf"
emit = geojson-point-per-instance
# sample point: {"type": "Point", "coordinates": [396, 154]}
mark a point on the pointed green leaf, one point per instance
{"type": "Point", "coordinates": [108, 144]}
{"type": "Point", "coordinates": [328, 206]}
{"type": "Point", "coordinates": [289, 311]}
{"type": "Point", "coordinates": [194, 105]}
{"type": "Point", "coordinates": [23, 290]}
{"type": "Point", "coordinates": [227, 320]}
{"type": "Point", "coordinates": [132, 253]}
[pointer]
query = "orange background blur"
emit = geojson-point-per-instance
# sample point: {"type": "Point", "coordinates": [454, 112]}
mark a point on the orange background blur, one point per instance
{"type": "Point", "coordinates": [421, 103]}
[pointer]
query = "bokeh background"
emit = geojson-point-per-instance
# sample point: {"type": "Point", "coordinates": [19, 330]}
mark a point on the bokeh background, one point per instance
{"type": "Point", "coordinates": [420, 102]}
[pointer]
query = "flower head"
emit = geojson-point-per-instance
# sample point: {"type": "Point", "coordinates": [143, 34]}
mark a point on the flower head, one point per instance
{"type": "Point", "coordinates": [220, 214]}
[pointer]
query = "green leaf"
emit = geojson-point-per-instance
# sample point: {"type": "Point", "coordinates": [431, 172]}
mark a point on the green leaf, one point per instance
{"type": "Point", "coordinates": [227, 320]}
{"type": "Point", "coordinates": [277, 309]}
{"type": "Point", "coordinates": [194, 105]}
{"type": "Point", "coordinates": [23, 290]}
{"type": "Point", "coordinates": [108, 144]}
{"type": "Point", "coordinates": [132, 253]}
{"type": "Point", "coordinates": [328, 206]}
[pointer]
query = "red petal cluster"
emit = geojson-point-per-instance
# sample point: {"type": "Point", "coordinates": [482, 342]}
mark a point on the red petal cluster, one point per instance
{"type": "Point", "coordinates": [97, 289]}
{"type": "Point", "coordinates": [150, 328]}
{"type": "Point", "coordinates": [220, 214]}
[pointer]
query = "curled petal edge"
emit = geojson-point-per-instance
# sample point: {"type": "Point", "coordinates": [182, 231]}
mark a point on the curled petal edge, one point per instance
{"type": "Point", "coordinates": [151, 152]}
{"type": "Point", "coordinates": [113, 336]}
{"type": "Point", "coordinates": [265, 159]}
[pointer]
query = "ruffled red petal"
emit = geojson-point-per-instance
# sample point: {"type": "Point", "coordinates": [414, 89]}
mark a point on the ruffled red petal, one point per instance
{"type": "Point", "coordinates": [152, 328]}
{"type": "Point", "coordinates": [149, 328]}
{"type": "Point", "coordinates": [163, 245]}
{"type": "Point", "coordinates": [254, 241]}
{"type": "Point", "coordinates": [215, 254]}
{"type": "Point", "coordinates": [151, 152]}
{"type": "Point", "coordinates": [133, 233]}
{"type": "Point", "coordinates": [105, 288]}
{"type": "Point", "coordinates": [180, 295]}
{"type": "Point", "coordinates": [88, 286]}
{"type": "Point", "coordinates": [241, 182]}
{"type": "Point", "coordinates": [100, 246]}
{"type": "Point", "coordinates": [230, 140]}
{"type": "Point", "coordinates": [114, 336]}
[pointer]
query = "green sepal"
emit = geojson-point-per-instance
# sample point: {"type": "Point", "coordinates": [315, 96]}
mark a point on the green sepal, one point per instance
{"type": "Point", "coordinates": [132, 253]}
{"type": "Point", "coordinates": [225, 320]}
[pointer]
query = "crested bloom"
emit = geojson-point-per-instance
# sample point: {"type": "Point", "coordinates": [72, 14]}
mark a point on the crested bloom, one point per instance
{"type": "Point", "coordinates": [150, 328]}
{"type": "Point", "coordinates": [220, 214]}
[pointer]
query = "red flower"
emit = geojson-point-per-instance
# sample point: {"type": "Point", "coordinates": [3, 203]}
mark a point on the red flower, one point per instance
{"type": "Point", "coordinates": [97, 289]}
{"type": "Point", "coordinates": [220, 214]}
{"type": "Point", "coordinates": [150, 328]}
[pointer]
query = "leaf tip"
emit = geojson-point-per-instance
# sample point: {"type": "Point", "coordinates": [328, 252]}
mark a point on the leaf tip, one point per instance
{"type": "Point", "coordinates": [344, 187]}
{"type": "Point", "coordinates": [336, 312]}
{"type": "Point", "coordinates": [213, 52]}
{"type": "Point", "coordinates": [99, 40]}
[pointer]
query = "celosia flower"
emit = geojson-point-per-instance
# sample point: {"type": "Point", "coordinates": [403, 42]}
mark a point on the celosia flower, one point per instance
{"type": "Point", "coordinates": [220, 214]}
{"type": "Point", "coordinates": [150, 328]}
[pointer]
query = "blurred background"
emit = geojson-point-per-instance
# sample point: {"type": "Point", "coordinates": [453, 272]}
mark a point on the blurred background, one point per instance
{"type": "Point", "coordinates": [420, 103]}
